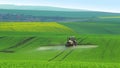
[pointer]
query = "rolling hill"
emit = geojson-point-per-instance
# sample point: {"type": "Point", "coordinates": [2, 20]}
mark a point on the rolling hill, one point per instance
{"type": "Point", "coordinates": [33, 44]}
{"type": "Point", "coordinates": [49, 14]}
{"type": "Point", "coordinates": [94, 27]}
{"type": "Point", "coordinates": [39, 27]}
{"type": "Point", "coordinates": [47, 8]}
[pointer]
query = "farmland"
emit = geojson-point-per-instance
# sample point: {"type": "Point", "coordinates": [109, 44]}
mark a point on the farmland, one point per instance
{"type": "Point", "coordinates": [33, 27]}
{"type": "Point", "coordinates": [35, 44]}
{"type": "Point", "coordinates": [94, 27]}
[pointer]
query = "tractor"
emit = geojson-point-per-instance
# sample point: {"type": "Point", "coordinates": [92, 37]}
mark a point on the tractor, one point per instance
{"type": "Point", "coordinates": [71, 42]}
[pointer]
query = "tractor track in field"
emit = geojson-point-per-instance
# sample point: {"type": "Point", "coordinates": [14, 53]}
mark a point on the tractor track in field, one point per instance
{"type": "Point", "coordinates": [112, 50]}
{"type": "Point", "coordinates": [105, 49]}
{"type": "Point", "coordinates": [109, 31]}
{"type": "Point", "coordinates": [2, 37]}
{"type": "Point", "coordinates": [32, 41]}
{"type": "Point", "coordinates": [57, 55]}
{"type": "Point", "coordinates": [82, 39]}
{"type": "Point", "coordinates": [6, 50]}
{"type": "Point", "coordinates": [65, 56]}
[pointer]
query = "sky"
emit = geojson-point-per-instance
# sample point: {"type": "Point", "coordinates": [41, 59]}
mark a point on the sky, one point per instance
{"type": "Point", "coordinates": [97, 5]}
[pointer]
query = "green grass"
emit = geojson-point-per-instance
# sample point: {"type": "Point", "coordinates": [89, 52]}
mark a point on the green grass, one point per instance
{"type": "Point", "coordinates": [108, 47]}
{"type": "Point", "coordinates": [94, 27]}
{"type": "Point", "coordinates": [28, 55]}
{"type": "Point", "coordinates": [43, 64]}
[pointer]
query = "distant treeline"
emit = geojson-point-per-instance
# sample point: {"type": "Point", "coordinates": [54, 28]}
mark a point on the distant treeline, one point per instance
{"type": "Point", "coordinates": [30, 18]}
{"type": "Point", "coordinates": [10, 17]}
{"type": "Point", "coordinates": [56, 16]}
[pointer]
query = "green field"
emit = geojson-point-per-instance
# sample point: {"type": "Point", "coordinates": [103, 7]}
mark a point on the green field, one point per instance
{"type": "Point", "coordinates": [35, 45]}
{"type": "Point", "coordinates": [34, 27]}
{"type": "Point", "coordinates": [94, 27]}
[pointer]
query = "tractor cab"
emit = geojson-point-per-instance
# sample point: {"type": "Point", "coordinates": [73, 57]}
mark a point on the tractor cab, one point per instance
{"type": "Point", "coordinates": [71, 42]}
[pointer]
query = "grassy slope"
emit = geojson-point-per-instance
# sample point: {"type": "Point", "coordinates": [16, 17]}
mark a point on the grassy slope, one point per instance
{"type": "Point", "coordinates": [34, 27]}
{"type": "Point", "coordinates": [28, 53]}
{"type": "Point", "coordinates": [94, 27]}
{"type": "Point", "coordinates": [108, 47]}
